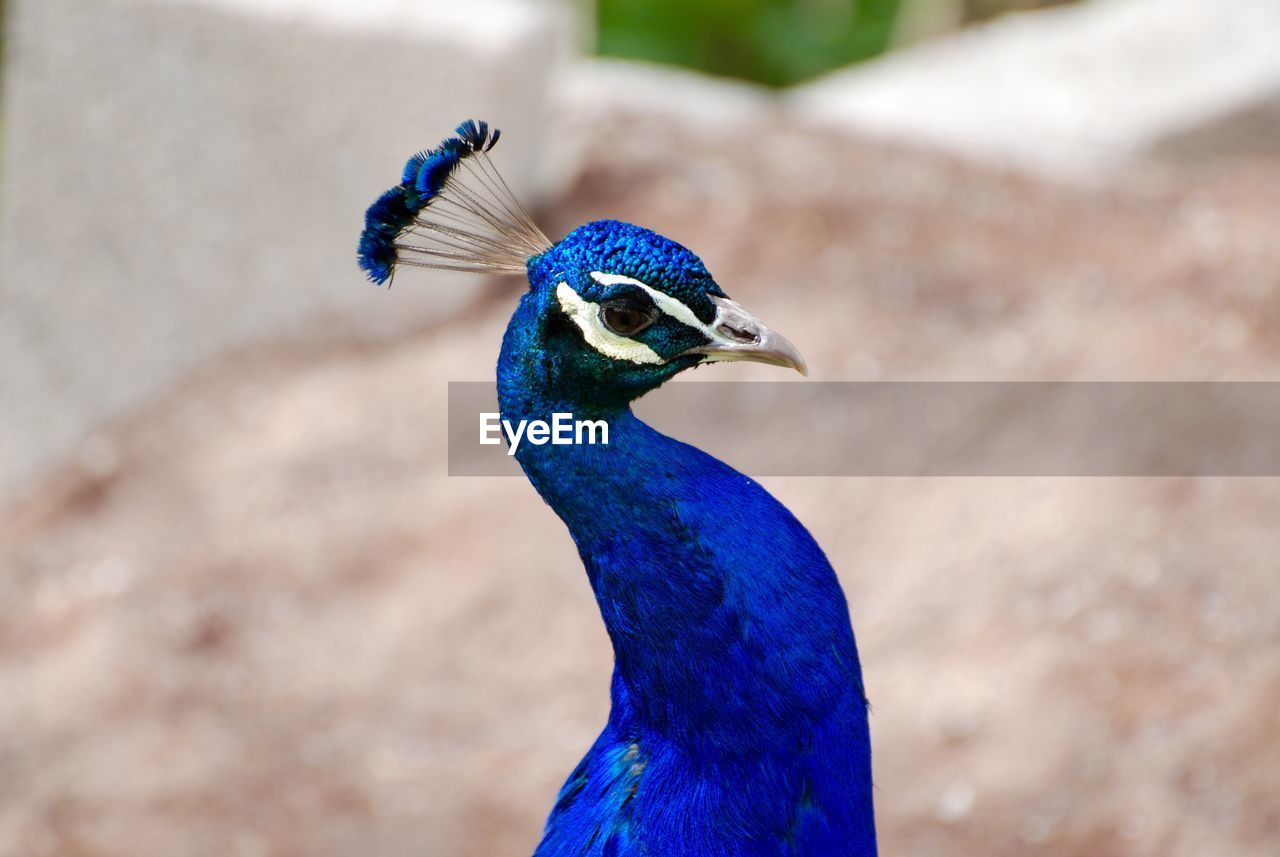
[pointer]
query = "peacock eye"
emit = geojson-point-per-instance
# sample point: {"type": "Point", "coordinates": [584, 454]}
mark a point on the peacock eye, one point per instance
{"type": "Point", "coordinates": [627, 319]}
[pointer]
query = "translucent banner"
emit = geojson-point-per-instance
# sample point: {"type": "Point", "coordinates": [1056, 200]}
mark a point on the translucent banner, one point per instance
{"type": "Point", "coordinates": [925, 428]}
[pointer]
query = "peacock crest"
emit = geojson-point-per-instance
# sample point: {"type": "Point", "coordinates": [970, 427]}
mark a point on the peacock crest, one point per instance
{"type": "Point", "coordinates": [452, 210]}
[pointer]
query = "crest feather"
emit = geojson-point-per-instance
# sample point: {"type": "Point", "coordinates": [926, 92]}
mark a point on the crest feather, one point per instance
{"type": "Point", "coordinates": [452, 210]}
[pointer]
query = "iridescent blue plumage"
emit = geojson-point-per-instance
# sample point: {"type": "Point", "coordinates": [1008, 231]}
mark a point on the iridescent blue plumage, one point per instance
{"type": "Point", "coordinates": [397, 213]}
{"type": "Point", "coordinates": [636, 252]}
{"type": "Point", "coordinates": [738, 725]}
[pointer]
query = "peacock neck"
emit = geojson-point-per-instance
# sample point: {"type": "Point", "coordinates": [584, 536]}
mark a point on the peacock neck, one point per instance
{"type": "Point", "coordinates": [708, 637]}
{"type": "Point", "coordinates": [734, 657]}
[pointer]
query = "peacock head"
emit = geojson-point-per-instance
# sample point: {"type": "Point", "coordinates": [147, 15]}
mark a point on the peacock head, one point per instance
{"type": "Point", "coordinates": [613, 309]}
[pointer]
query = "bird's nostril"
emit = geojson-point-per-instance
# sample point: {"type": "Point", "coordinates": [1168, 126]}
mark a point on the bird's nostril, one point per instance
{"type": "Point", "coordinates": [738, 332]}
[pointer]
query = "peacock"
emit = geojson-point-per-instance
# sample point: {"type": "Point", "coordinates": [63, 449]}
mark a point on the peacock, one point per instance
{"type": "Point", "coordinates": [738, 723]}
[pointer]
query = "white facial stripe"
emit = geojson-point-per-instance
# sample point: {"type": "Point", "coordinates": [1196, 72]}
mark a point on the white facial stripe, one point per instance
{"type": "Point", "coordinates": [586, 315]}
{"type": "Point", "coordinates": [664, 301]}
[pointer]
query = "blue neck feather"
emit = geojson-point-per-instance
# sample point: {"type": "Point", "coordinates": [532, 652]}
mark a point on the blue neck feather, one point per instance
{"type": "Point", "coordinates": [739, 723]}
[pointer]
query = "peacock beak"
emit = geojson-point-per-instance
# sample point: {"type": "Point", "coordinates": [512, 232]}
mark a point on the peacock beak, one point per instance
{"type": "Point", "coordinates": [738, 335]}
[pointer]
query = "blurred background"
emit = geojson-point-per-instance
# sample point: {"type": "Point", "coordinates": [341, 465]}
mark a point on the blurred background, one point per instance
{"type": "Point", "coordinates": [243, 610]}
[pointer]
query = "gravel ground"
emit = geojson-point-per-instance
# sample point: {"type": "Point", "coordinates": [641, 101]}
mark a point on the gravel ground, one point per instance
{"type": "Point", "coordinates": [258, 619]}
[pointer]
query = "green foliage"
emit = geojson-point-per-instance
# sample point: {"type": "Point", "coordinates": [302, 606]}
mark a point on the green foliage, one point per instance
{"type": "Point", "coordinates": [781, 42]}
{"type": "Point", "coordinates": [980, 10]}
{"type": "Point", "coordinates": [776, 42]}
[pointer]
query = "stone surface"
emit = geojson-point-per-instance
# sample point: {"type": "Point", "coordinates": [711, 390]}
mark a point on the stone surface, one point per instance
{"type": "Point", "coordinates": [1071, 91]}
{"type": "Point", "coordinates": [181, 178]}
{"type": "Point", "coordinates": [593, 87]}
